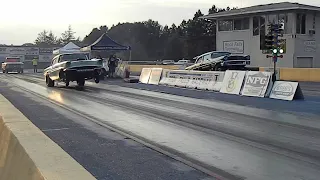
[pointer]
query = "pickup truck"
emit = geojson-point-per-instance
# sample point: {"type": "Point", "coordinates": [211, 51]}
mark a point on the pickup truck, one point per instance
{"type": "Point", "coordinates": [70, 67]}
{"type": "Point", "coordinates": [12, 64]}
{"type": "Point", "coordinates": [220, 61]}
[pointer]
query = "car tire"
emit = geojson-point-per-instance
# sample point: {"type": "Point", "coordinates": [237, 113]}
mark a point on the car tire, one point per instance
{"type": "Point", "coordinates": [218, 67]}
{"type": "Point", "coordinates": [81, 82]}
{"type": "Point", "coordinates": [49, 82]}
{"type": "Point", "coordinates": [97, 80]}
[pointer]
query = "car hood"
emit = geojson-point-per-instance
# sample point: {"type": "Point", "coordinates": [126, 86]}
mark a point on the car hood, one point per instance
{"type": "Point", "coordinates": [215, 60]}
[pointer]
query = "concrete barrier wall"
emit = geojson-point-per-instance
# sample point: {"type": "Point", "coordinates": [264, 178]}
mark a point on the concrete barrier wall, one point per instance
{"type": "Point", "coordinates": [136, 69]}
{"type": "Point", "coordinates": [299, 74]}
{"type": "Point", "coordinates": [28, 154]}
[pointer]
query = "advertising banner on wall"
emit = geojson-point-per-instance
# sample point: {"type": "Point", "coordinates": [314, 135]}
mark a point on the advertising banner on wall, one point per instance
{"type": "Point", "coordinates": [236, 47]}
{"type": "Point", "coordinates": [286, 90]}
{"type": "Point", "coordinates": [256, 83]}
{"type": "Point", "coordinates": [216, 83]}
{"type": "Point", "coordinates": [310, 46]}
{"type": "Point", "coordinates": [32, 50]}
{"type": "Point", "coordinates": [4, 50]}
{"type": "Point", "coordinates": [145, 75]}
{"type": "Point", "coordinates": [17, 51]}
{"type": "Point", "coordinates": [45, 50]}
{"type": "Point", "coordinates": [155, 76]}
{"type": "Point", "coordinates": [45, 58]}
{"type": "Point", "coordinates": [30, 57]}
{"type": "Point", "coordinates": [232, 82]}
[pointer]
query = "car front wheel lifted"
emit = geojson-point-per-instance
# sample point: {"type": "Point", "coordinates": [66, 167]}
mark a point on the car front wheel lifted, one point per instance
{"type": "Point", "coordinates": [49, 82]}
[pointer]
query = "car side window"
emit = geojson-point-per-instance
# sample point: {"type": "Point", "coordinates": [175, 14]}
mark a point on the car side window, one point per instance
{"type": "Point", "coordinates": [60, 58]}
{"type": "Point", "coordinates": [200, 60]}
{"type": "Point", "coordinates": [219, 54]}
{"type": "Point", "coordinates": [54, 60]}
{"type": "Point", "coordinates": [207, 57]}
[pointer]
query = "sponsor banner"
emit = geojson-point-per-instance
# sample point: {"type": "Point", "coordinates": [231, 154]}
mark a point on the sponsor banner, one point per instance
{"type": "Point", "coordinates": [194, 83]}
{"type": "Point", "coordinates": [256, 83]}
{"type": "Point", "coordinates": [216, 83]}
{"type": "Point", "coordinates": [45, 58]}
{"type": "Point", "coordinates": [30, 57]}
{"type": "Point", "coordinates": [32, 50]}
{"type": "Point", "coordinates": [145, 75]}
{"type": "Point", "coordinates": [182, 82]}
{"type": "Point", "coordinates": [286, 90]}
{"type": "Point", "coordinates": [310, 46]}
{"type": "Point", "coordinates": [165, 72]}
{"type": "Point", "coordinates": [236, 47]}
{"type": "Point", "coordinates": [206, 80]}
{"type": "Point", "coordinates": [17, 51]}
{"type": "Point", "coordinates": [4, 50]}
{"type": "Point", "coordinates": [163, 81]}
{"type": "Point", "coordinates": [171, 81]}
{"type": "Point", "coordinates": [45, 50]}
{"type": "Point", "coordinates": [232, 82]}
{"type": "Point", "coordinates": [155, 76]}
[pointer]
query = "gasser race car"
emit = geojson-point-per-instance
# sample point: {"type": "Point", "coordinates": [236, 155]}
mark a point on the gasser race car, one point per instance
{"type": "Point", "coordinates": [70, 67]}
{"type": "Point", "coordinates": [220, 61]}
{"type": "Point", "coordinates": [12, 64]}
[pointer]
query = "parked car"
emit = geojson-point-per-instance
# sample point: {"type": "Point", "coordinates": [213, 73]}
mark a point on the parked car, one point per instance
{"type": "Point", "coordinates": [168, 62]}
{"type": "Point", "coordinates": [12, 64]}
{"type": "Point", "coordinates": [220, 61]}
{"type": "Point", "coordinates": [182, 62]}
{"type": "Point", "coordinates": [72, 67]}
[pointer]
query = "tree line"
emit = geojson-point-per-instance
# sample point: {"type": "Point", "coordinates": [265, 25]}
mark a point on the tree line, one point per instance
{"type": "Point", "coordinates": [150, 40]}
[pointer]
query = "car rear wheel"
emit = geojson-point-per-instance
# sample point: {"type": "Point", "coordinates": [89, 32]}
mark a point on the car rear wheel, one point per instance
{"type": "Point", "coordinates": [49, 82]}
{"type": "Point", "coordinates": [218, 67]}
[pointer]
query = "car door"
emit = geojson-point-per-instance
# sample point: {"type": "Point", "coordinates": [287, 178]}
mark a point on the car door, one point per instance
{"type": "Point", "coordinates": [55, 68]}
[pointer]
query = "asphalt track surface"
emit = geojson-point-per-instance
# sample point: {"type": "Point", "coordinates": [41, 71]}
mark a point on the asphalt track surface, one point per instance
{"type": "Point", "coordinates": [230, 136]}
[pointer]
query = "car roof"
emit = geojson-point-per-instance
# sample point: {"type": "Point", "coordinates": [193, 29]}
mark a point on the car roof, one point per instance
{"type": "Point", "coordinates": [210, 53]}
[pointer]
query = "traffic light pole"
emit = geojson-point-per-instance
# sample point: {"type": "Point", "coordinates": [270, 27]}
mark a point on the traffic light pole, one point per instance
{"type": "Point", "coordinates": [272, 43]}
{"type": "Point", "coordinates": [275, 59]}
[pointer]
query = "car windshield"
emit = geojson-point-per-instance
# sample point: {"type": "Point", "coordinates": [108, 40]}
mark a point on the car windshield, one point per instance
{"type": "Point", "coordinates": [74, 57]}
{"type": "Point", "coordinates": [219, 54]}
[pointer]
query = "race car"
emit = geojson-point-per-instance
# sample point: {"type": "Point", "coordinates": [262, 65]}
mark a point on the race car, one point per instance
{"type": "Point", "coordinates": [70, 67]}
{"type": "Point", "coordinates": [12, 64]}
{"type": "Point", "coordinates": [219, 61]}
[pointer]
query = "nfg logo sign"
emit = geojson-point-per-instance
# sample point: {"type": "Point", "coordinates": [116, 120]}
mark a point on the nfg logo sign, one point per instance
{"type": "Point", "coordinates": [256, 84]}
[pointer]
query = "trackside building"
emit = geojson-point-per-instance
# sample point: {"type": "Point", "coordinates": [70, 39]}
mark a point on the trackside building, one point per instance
{"type": "Point", "coordinates": [242, 31]}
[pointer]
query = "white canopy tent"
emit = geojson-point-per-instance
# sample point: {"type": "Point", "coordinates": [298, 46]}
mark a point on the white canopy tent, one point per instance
{"type": "Point", "coordinates": [69, 48]}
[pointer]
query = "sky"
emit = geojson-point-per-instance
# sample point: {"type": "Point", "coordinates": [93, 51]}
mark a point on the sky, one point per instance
{"type": "Point", "coordinates": [22, 20]}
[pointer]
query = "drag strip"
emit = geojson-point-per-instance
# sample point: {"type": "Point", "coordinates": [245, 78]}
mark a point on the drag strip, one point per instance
{"type": "Point", "coordinates": [168, 125]}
